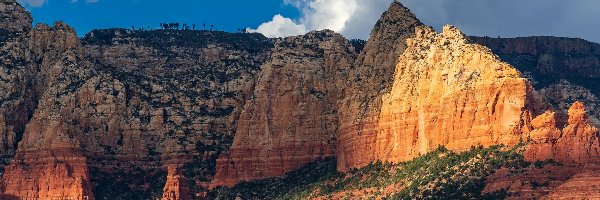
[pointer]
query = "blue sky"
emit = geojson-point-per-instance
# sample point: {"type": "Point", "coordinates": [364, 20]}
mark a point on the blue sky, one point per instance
{"type": "Point", "coordinates": [352, 18]}
{"type": "Point", "coordinates": [226, 15]}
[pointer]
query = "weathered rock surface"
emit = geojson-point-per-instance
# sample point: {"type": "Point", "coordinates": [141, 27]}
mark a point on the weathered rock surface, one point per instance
{"type": "Point", "coordinates": [18, 95]}
{"type": "Point", "coordinates": [549, 59]}
{"type": "Point", "coordinates": [176, 187]}
{"type": "Point", "coordinates": [123, 101]}
{"type": "Point", "coordinates": [564, 70]}
{"type": "Point", "coordinates": [13, 17]}
{"type": "Point", "coordinates": [584, 185]}
{"type": "Point", "coordinates": [446, 92]}
{"type": "Point", "coordinates": [370, 78]}
{"type": "Point", "coordinates": [291, 120]}
{"type": "Point", "coordinates": [49, 162]}
{"type": "Point", "coordinates": [166, 101]}
{"type": "Point", "coordinates": [48, 174]}
{"type": "Point", "coordinates": [577, 143]}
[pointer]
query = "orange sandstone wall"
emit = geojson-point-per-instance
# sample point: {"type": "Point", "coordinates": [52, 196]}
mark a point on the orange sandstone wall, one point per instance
{"type": "Point", "coordinates": [577, 143]}
{"type": "Point", "coordinates": [48, 174]}
{"type": "Point", "coordinates": [447, 92]}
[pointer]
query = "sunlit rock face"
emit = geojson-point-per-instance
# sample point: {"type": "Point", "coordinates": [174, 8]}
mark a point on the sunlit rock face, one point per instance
{"type": "Point", "coordinates": [446, 92]}
{"type": "Point", "coordinates": [176, 187]}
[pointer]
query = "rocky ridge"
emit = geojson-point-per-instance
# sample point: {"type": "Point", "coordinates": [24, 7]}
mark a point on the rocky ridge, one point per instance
{"type": "Point", "coordinates": [105, 116]}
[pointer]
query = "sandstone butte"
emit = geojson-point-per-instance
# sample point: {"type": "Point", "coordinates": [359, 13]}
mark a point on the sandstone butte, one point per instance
{"type": "Point", "coordinates": [445, 91]}
{"type": "Point", "coordinates": [292, 118]}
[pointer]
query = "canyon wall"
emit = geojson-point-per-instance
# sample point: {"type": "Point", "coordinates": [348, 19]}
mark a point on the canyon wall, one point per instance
{"type": "Point", "coordinates": [291, 120]}
{"type": "Point", "coordinates": [85, 113]}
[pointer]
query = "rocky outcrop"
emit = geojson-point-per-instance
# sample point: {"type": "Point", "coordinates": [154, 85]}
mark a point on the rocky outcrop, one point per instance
{"type": "Point", "coordinates": [577, 143]}
{"type": "Point", "coordinates": [13, 17]}
{"type": "Point", "coordinates": [554, 57]}
{"type": "Point", "coordinates": [176, 187]}
{"type": "Point", "coordinates": [446, 92]}
{"type": "Point", "coordinates": [161, 98]}
{"type": "Point", "coordinates": [291, 120]}
{"type": "Point", "coordinates": [121, 99]}
{"type": "Point", "coordinates": [550, 62]}
{"type": "Point", "coordinates": [18, 95]}
{"type": "Point", "coordinates": [48, 174]}
{"type": "Point", "coordinates": [546, 182]}
{"type": "Point", "coordinates": [563, 94]}
{"type": "Point", "coordinates": [370, 78]}
{"type": "Point", "coordinates": [49, 162]}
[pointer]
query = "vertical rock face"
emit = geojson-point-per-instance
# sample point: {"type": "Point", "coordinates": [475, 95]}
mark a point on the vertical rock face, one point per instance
{"type": "Point", "coordinates": [445, 92]}
{"type": "Point", "coordinates": [49, 162]}
{"type": "Point", "coordinates": [371, 77]}
{"type": "Point", "coordinates": [176, 187]}
{"type": "Point", "coordinates": [577, 143]}
{"type": "Point", "coordinates": [563, 70]}
{"type": "Point", "coordinates": [48, 174]}
{"type": "Point", "coordinates": [291, 119]}
{"type": "Point", "coordinates": [17, 74]}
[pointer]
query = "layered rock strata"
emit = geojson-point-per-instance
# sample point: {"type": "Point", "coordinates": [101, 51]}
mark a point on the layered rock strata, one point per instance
{"type": "Point", "coordinates": [577, 143]}
{"type": "Point", "coordinates": [446, 92]}
{"type": "Point", "coordinates": [291, 119]}
{"type": "Point", "coordinates": [49, 163]}
{"type": "Point", "coordinates": [370, 78]}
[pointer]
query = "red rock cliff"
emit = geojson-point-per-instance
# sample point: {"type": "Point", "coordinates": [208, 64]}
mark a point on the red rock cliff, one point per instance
{"type": "Point", "coordinates": [370, 78]}
{"type": "Point", "coordinates": [445, 92]}
{"type": "Point", "coordinates": [49, 162]}
{"type": "Point", "coordinates": [292, 118]}
{"type": "Point", "coordinates": [577, 143]}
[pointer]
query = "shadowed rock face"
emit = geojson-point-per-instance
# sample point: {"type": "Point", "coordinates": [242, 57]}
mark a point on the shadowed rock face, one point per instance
{"type": "Point", "coordinates": [13, 17]}
{"type": "Point", "coordinates": [371, 77]}
{"type": "Point", "coordinates": [121, 102]}
{"type": "Point", "coordinates": [291, 120]}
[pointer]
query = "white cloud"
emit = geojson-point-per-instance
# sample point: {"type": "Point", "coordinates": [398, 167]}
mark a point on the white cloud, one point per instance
{"type": "Point", "coordinates": [352, 18]}
{"type": "Point", "coordinates": [33, 3]}
{"type": "Point", "coordinates": [280, 27]}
